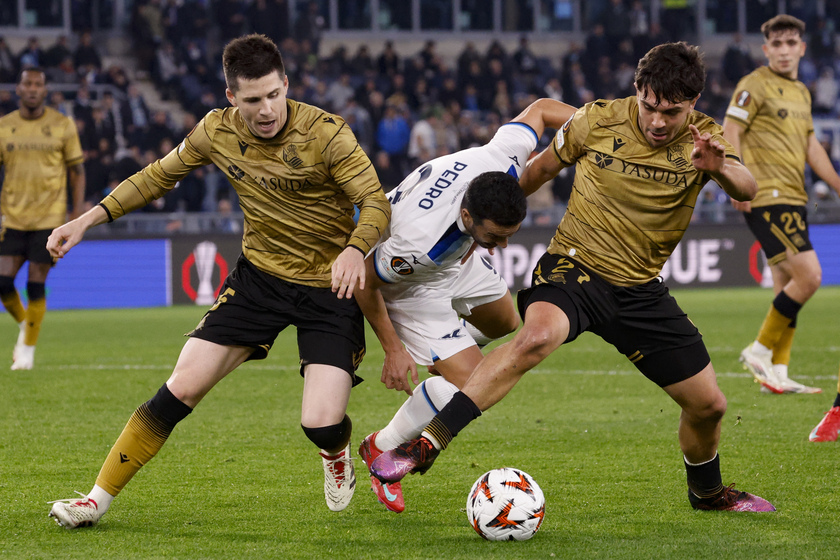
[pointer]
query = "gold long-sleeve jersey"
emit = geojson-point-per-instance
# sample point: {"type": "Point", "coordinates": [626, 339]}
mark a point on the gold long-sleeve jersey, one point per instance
{"type": "Point", "coordinates": [35, 155]}
{"type": "Point", "coordinates": [630, 204]}
{"type": "Point", "coordinates": [776, 114]}
{"type": "Point", "coordinates": [297, 190]}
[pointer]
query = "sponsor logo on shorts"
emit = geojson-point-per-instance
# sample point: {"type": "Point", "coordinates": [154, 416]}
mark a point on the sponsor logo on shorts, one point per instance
{"type": "Point", "coordinates": [401, 266]}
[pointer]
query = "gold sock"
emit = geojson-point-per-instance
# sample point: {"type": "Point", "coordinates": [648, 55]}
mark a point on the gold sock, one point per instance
{"type": "Point", "coordinates": [771, 330]}
{"type": "Point", "coordinates": [781, 352]}
{"type": "Point", "coordinates": [14, 306]}
{"type": "Point", "coordinates": [141, 439]}
{"type": "Point", "coordinates": [34, 317]}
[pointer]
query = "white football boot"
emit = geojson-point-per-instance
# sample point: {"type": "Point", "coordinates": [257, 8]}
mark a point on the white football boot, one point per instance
{"type": "Point", "coordinates": [75, 512]}
{"type": "Point", "coordinates": [339, 478]}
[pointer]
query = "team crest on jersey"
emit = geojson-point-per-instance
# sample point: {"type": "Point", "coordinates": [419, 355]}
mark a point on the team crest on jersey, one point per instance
{"type": "Point", "coordinates": [45, 130]}
{"type": "Point", "coordinates": [10, 147]}
{"type": "Point", "coordinates": [676, 155]}
{"type": "Point", "coordinates": [290, 156]}
{"type": "Point", "coordinates": [401, 266]}
{"type": "Point", "coordinates": [743, 98]}
{"type": "Point", "coordinates": [235, 172]}
{"type": "Point", "coordinates": [602, 160]}
{"type": "Point", "coordinates": [783, 113]}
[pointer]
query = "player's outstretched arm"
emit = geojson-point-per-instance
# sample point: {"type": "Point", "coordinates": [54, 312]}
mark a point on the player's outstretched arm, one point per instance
{"type": "Point", "coordinates": [710, 156]}
{"type": "Point", "coordinates": [733, 131]}
{"type": "Point", "coordinates": [539, 170]}
{"type": "Point", "coordinates": [398, 361]}
{"type": "Point", "coordinates": [545, 113]}
{"type": "Point", "coordinates": [64, 238]}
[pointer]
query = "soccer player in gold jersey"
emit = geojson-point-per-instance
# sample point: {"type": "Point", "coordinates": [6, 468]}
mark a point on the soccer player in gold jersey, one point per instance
{"type": "Point", "coordinates": [769, 124]}
{"type": "Point", "coordinates": [299, 172]}
{"type": "Point", "coordinates": [39, 150]}
{"type": "Point", "coordinates": [640, 163]}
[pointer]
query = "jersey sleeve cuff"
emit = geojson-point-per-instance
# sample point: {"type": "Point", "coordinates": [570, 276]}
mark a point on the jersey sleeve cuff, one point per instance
{"type": "Point", "coordinates": [108, 212]}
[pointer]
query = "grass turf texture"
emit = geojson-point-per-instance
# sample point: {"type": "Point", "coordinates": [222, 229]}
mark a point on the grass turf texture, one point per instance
{"type": "Point", "coordinates": [238, 479]}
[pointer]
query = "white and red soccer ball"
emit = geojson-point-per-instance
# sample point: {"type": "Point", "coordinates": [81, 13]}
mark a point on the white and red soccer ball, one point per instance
{"type": "Point", "coordinates": [505, 505]}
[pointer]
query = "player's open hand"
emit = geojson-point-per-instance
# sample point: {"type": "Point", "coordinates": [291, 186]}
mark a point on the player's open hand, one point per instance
{"type": "Point", "coordinates": [397, 364]}
{"type": "Point", "coordinates": [348, 269]}
{"type": "Point", "coordinates": [707, 155]}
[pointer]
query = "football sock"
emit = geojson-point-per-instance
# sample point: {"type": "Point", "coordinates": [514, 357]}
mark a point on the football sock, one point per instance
{"type": "Point", "coordinates": [781, 313]}
{"type": "Point", "coordinates": [480, 338]}
{"type": "Point", "coordinates": [453, 418]}
{"type": "Point", "coordinates": [704, 479]}
{"type": "Point", "coordinates": [781, 352]}
{"type": "Point", "coordinates": [102, 498]}
{"type": "Point", "coordinates": [141, 439]}
{"type": "Point", "coordinates": [34, 316]}
{"type": "Point", "coordinates": [416, 412]}
{"type": "Point", "coordinates": [11, 301]}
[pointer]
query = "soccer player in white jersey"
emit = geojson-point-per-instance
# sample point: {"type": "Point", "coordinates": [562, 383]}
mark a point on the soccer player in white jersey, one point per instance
{"type": "Point", "coordinates": [429, 298]}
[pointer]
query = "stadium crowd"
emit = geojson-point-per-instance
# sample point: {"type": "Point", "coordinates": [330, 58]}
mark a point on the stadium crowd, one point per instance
{"type": "Point", "coordinates": [403, 110]}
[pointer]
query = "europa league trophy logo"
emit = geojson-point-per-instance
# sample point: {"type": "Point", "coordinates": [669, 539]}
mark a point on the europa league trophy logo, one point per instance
{"type": "Point", "coordinates": [205, 260]}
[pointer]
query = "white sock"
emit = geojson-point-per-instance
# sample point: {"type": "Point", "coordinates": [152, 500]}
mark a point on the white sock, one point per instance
{"type": "Point", "coordinates": [781, 371]}
{"type": "Point", "coordinates": [102, 498]}
{"type": "Point", "coordinates": [480, 338]}
{"type": "Point", "coordinates": [759, 348]}
{"type": "Point", "coordinates": [416, 412]}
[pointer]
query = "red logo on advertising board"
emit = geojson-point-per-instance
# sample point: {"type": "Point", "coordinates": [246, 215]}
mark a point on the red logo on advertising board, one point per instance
{"type": "Point", "coordinates": [205, 258]}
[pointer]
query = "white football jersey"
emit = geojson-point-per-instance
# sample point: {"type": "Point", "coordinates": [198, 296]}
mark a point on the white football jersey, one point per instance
{"type": "Point", "coordinates": [426, 239]}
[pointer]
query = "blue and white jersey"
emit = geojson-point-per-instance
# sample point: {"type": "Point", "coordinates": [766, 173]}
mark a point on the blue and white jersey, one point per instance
{"type": "Point", "coordinates": [426, 239]}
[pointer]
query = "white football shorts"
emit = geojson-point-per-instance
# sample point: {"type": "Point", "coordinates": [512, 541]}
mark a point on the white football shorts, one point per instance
{"type": "Point", "coordinates": [427, 319]}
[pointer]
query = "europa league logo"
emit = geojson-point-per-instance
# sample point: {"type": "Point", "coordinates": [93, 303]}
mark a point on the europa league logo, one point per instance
{"type": "Point", "coordinates": [205, 257]}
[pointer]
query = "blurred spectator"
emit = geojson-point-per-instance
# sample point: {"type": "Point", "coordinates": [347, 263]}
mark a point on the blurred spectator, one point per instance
{"type": "Point", "coordinates": [158, 131]}
{"type": "Point", "coordinates": [597, 44]}
{"type": "Point", "coordinates": [60, 103]}
{"type": "Point", "coordinates": [448, 91]}
{"type": "Point", "coordinates": [83, 105]}
{"type": "Point", "coordinates": [614, 18]}
{"type": "Point", "coordinates": [64, 73]}
{"type": "Point", "coordinates": [230, 18]}
{"type": "Point", "coordinates": [102, 126]}
{"type": "Point", "coordinates": [135, 117]}
{"type": "Point", "coordinates": [469, 55]}
{"type": "Point", "coordinates": [117, 77]}
{"type": "Point", "coordinates": [422, 142]}
{"type": "Point", "coordinates": [643, 43]}
{"type": "Point", "coordinates": [147, 29]}
{"type": "Point", "coordinates": [339, 93]}
{"type": "Point", "coordinates": [825, 93]}
{"type": "Point", "coordinates": [31, 56]}
{"type": "Point", "coordinates": [8, 103]}
{"type": "Point", "coordinates": [552, 89]}
{"type": "Point", "coordinates": [388, 61]}
{"type": "Point", "coordinates": [822, 45]}
{"type": "Point", "coordinates": [392, 136]}
{"type": "Point", "coordinates": [362, 62]}
{"type": "Point", "coordinates": [270, 18]}
{"type": "Point", "coordinates": [310, 25]}
{"type": "Point", "coordinates": [227, 221]}
{"type": "Point", "coordinates": [678, 20]}
{"type": "Point", "coordinates": [8, 63]}
{"type": "Point", "coordinates": [194, 23]}
{"type": "Point", "coordinates": [56, 54]}
{"type": "Point", "coordinates": [358, 119]}
{"type": "Point", "coordinates": [737, 61]}
{"type": "Point", "coordinates": [167, 70]}
{"type": "Point", "coordinates": [389, 176]}
{"type": "Point", "coordinates": [99, 163]}
{"type": "Point", "coordinates": [111, 115]}
{"type": "Point", "coordinates": [639, 22]}
{"type": "Point", "coordinates": [86, 55]}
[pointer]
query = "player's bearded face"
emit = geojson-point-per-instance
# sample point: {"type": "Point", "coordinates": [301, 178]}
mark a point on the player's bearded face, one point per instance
{"type": "Point", "coordinates": [488, 234]}
{"type": "Point", "coordinates": [32, 89]}
{"type": "Point", "coordinates": [783, 50]}
{"type": "Point", "coordinates": [262, 103]}
{"type": "Point", "coordinates": [661, 122]}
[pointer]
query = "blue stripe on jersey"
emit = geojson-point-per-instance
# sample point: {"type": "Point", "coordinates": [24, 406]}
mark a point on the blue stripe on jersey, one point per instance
{"type": "Point", "coordinates": [512, 172]}
{"type": "Point", "coordinates": [429, 399]}
{"type": "Point", "coordinates": [447, 244]}
{"type": "Point", "coordinates": [528, 127]}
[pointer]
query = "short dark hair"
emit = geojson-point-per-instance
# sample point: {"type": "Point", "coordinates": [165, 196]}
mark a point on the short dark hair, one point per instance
{"type": "Point", "coordinates": [250, 57]}
{"type": "Point", "coordinates": [672, 71]}
{"type": "Point", "coordinates": [782, 22]}
{"type": "Point", "coordinates": [31, 69]}
{"type": "Point", "coordinates": [495, 196]}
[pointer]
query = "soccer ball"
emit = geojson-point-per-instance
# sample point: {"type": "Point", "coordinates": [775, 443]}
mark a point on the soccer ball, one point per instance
{"type": "Point", "coordinates": [505, 505]}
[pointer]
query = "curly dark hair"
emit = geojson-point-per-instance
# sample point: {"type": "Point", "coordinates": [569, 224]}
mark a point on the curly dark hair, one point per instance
{"type": "Point", "coordinates": [495, 196]}
{"type": "Point", "coordinates": [672, 71]}
{"type": "Point", "coordinates": [250, 57]}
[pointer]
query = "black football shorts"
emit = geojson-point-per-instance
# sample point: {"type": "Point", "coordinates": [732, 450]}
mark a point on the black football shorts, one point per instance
{"type": "Point", "coordinates": [32, 245]}
{"type": "Point", "coordinates": [778, 228]}
{"type": "Point", "coordinates": [644, 322]}
{"type": "Point", "coordinates": [253, 307]}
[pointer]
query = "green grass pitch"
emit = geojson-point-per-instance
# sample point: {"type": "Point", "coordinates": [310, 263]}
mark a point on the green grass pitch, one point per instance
{"type": "Point", "coordinates": [238, 479]}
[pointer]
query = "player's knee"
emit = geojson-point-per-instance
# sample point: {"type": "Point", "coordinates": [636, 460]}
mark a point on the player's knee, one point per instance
{"type": "Point", "coordinates": [709, 410]}
{"type": "Point", "coordinates": [7, 285]}
{"type": "Point", "coordinates": [36, 290]}
{"type": "Point", "coordinates": [330, 438]}
{"type": "Point", "coordinates": [535, 342]}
